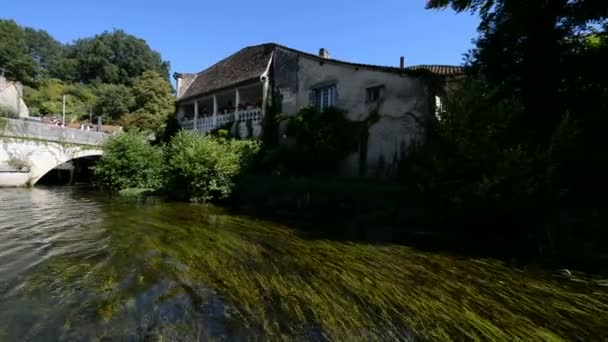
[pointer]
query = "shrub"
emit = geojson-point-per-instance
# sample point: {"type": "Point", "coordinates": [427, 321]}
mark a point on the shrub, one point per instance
{"type": "Point", "coordinates": [129, 162]}
{"type": "Point", "coordinates": [205, 168]}
{"type": "Point", "coordinates": [6, 112]}
{"type": "Point", "coordinates": [320, 141]}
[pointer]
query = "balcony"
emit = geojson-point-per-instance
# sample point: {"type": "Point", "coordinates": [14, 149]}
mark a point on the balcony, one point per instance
{"type": "Point", "coordinates": [210, 123]}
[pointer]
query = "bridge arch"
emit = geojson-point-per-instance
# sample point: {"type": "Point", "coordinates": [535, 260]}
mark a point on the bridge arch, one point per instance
{"type": "Point", "coordinates": [29, 150]}
{"type": "Point", "coordinates": [42, 165]}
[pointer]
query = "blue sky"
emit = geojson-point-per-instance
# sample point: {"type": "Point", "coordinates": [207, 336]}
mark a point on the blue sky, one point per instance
{"type": "Point", "coordinates": [194, 34]}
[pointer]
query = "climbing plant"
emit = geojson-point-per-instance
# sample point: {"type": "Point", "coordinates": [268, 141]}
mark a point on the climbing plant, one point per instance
{"type": "Point", "coordinates": [317, 141]}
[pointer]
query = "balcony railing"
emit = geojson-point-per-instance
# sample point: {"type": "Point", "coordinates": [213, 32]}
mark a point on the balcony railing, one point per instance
{"type": "Point", "coordinates": [209, 123]}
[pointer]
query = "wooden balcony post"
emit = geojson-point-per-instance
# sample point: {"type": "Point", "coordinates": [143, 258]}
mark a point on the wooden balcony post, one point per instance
{"type": "Point", "coordinates": [264, 95]}
{"type": "Point", "coordinates": [237, 101]}
{"type": "Point", "coordinates": [195, 115]}
{"type": "Point", "coordinates": [214, 111]}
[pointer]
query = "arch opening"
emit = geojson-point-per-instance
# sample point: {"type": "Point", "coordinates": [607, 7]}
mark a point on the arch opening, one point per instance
{"type": "Point", "coordinates": [77, 171]}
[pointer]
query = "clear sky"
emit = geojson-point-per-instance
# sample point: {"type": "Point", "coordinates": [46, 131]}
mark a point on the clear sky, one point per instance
{"type": "Point", "coordinates": [194, 34]}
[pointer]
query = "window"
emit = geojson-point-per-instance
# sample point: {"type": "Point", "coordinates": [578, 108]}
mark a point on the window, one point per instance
{"type": "Point", "coordinates": [374, 93]}
{"type": "Point", "coordinates": [324, 98]}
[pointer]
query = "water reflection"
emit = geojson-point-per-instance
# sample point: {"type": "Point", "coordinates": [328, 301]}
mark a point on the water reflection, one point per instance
{"type": "Point", "coordinates": [80, 266]}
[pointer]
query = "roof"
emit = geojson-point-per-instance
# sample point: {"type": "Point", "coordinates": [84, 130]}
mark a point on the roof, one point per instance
{"type": "Point", "coordinates": [444, 70]}
{"type": "Point", "coordinates": [251, 62]}
{"type": "Point", "coordinates": [247, 64]}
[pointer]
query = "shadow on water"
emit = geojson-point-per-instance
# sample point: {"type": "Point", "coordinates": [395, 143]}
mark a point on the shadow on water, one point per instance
{"type": "Point", "coordinates": [420, 228]}
{"type": "Point", "coordinates": [83, 266]}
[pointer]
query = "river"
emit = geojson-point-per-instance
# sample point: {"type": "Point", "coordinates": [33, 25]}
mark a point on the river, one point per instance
{"type": "Point", "coordinates": [79, 265]}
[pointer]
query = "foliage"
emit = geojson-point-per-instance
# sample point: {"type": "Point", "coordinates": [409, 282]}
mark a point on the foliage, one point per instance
{"type": "Point", "coordinates": [154, 101]}
{"type": "Point", "coordinates": [47, 99]}
{"type": "Point", "coordinates": [129, 162]}
{"type": "Point", "coordinates": [205, 168]}
{"type": "Point", "coordinates": [539, 159]}
{"type": "Point", "coordinates": [18, 163]}
{"type": "Point", "coordinates": [115, 57]}
{"type": "Point", "coordinates": [319, 140]}
{"type": "Point", "coordinates": [474, 165]}
{"type": "Point", "coordinates": [6, 112]}
{"type": "Point", "coordinates": [44, 50]}
{"type": "Point", "coordinates": [14, 57]}
{"type": "Point", "coordinates": [115, 75]}
{"type": "Point", "coordinates": [113, 101]}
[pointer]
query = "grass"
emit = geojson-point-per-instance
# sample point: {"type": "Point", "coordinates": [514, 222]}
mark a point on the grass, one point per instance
{"type": "Point", "coordinates": [281, 286]}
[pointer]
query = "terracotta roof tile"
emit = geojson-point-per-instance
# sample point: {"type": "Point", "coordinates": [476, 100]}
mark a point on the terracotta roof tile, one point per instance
{"type": "Point", "coordinates": [444, 70]}
{"type": "Point", "coordinates": [251, 62]}
{"type": "Point", "coordinates": [247, 64]}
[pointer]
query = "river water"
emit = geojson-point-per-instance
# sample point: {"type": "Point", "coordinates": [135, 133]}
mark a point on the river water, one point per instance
{"type": "Point", "coordinates": [80, 266]}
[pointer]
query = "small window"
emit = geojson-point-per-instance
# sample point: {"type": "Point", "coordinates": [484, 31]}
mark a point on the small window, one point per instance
{"type": "Point", "coordinates": [324, 98]}
{"type": "Point", "coordinates": [374, 93]}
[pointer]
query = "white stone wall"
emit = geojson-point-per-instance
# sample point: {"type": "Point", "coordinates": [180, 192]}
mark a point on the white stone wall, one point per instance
{"type": "Point", "coordinates": [403, 107]}
{"type": "Point", "coordinates": [37, 159]}
{"type": "Point", "coordinates": [11, 96]}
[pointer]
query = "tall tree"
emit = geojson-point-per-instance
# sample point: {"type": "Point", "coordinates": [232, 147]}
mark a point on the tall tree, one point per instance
{"type": "Point", "coordinates": [44, 49]}
{"type": "Point", "coordinates": [113, 101]}
{"type": "Point", "coordinates": [531, 49]}
{"type": "Point", "coordinates": [15, 60]}
{"type": "Point", "coordinates": [115, 57]}
{"type": "Point", "coordinates": [154, 102]}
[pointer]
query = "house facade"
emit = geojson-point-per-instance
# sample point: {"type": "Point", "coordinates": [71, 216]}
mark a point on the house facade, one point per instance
{"type": "Point", "coordinates": [11, 97]}
{"type": "Point", "coordinates": [240, 90]}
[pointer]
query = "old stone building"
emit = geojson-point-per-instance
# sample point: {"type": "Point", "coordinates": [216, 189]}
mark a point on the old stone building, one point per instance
{"type": "Point", "coordinates": [237, 91]}
{"type": "Point", "coordinates": [11, 97]}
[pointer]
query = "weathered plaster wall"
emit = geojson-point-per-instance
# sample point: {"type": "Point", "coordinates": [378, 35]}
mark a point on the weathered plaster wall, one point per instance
{"type": "Point", "coordinates": [403, 107]}
{"type": "Point", "coordinates": [11, 96]}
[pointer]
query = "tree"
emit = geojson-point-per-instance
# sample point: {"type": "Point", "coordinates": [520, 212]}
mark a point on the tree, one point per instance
{"type": "Point", "coordinates": [115, 57]}
{"type": "Point", "coordinates": [14, 58]}
{"type": "Point", "coordinates": [129, 162]}
{"type": "Point", "coordinates": [534, 50]}
{"type": "Point", "coordinates": [47, 99]}
{"type": "Point", "coordinates": [154, 102]}
{"type": "Point", "coordinates": [548, 56]}
{"type": "Point", "coordinates": [113, 101]}
{"type": "Point", "coordinates": [44, 50]}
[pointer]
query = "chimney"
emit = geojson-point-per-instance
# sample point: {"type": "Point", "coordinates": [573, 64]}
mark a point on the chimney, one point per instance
{"type": "Point", "coordinates": [182, 82]}
{"type": "Point", "coordinates": [178, 83]}
{"type": "Point", "coordinates": [323, 53]}
{"type": "Point", "coordinates": [402, 62]}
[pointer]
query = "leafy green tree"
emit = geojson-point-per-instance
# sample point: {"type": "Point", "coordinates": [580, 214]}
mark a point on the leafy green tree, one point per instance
{"type": "Point", "coordinates": [47, 99]}
{"type": "Point", "coordinates": [205, 168]}
{"type": "Point", "coordinates": [15, 60]}
{"type": "Point", "coordinates": [115, 57]}
{"type": "Point", "coordinates": [154, 101]}
{"type": "Point", "coordinates": [129, 161]}
{"type": "Point", "coordinates": [537, 51]}
{"type": "Point", "coordinates": [113, 101]}
{"type": "Point", "coordinates": [44, 49]}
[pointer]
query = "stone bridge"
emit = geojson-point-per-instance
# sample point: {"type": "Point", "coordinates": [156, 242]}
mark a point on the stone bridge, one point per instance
{"type": "Point", "coordinates": [29, 150]}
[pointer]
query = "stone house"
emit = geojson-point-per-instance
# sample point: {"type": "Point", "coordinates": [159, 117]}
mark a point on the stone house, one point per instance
{"type": "Point", "coordinates": [239, 90]}
{"type": "Point", "coordinates": [11, 97]}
